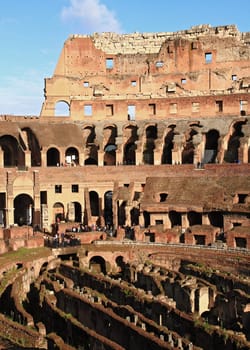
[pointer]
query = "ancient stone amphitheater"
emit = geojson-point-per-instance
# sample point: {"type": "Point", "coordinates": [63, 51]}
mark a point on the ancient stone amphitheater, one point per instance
{"type": "Point", "coordinates": [125, 205]}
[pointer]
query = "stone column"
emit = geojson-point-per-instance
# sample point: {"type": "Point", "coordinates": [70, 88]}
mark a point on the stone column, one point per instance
{"type": "Point", "coordinates": [205, 219]}
{"type": "Point", "coordinates": [9, 200]}
{"type": "Point", "coordinates": [27, 158]}
{"type": "Point", "coordinates": [37, 210]}
{"type": "Point", "coordinates": [184, 221]}
{"type": "Point", "coordinates": [1, 158]}
{"type": "Point", "coordinates": [167, 222]}
{"type": "Point", "coordinates": [100, 157]}
{"type": "Point", "coordinates": [157, 157]}
{"type": "Point", "coordinates": [43, 158]}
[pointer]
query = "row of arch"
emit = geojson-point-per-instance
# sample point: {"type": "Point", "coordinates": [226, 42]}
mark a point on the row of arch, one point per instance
{"type": "Point", "coordinates": [135, 148]}
{"type": "Point", "coordinates": [24, 211]}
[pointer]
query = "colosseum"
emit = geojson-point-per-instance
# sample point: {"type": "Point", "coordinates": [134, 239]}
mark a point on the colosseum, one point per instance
{"type": "Point", "coordinates": [125, 205]}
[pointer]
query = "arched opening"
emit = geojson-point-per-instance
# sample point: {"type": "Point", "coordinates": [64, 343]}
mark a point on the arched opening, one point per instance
{"type": "Point", "coordinates": [110, 154]}
{"type": "Point", "coordinates": [77, 212]}
{"type": "Point", "coordinates": [62, 109]}
{"type": "Point", "coordinates": [168, 147]}
{"type": "Point", "coordinates": [97, 265]}
{"type": "Point", "coordinates": [194, 218]}
{"type": "Point", "coordinates": [89, 137]}
{"type": "Point", "coordinates": [13, 151]}
{"type": "Point", "coordinates": [134, 216]}
{"type": "Point", "coordinates": [108, 208]}
{"type": "Point", "coordinates": [232, 152]}
{"type": "Point", "coordinates": [33, 146]}
{"type": "Point", "coordinates": [216, 219]}
{"type": "Point", "coordinates": [175, 218]}
{"type": "Point", "coordinates": [129, 154]}
{"type": "Point", "coordinates": [120, 263]}
{"type": "Point", "coordinates": [94, 203]}
{"type": "Point", "coordinates": [53, 157]}
{"type": "Point", "coordinates": [58, 212]}
{"type": "Point", "coordinates": [109, 138]}
{"type": "Point", "coordinates": [149, 146]}
{"type": "Point", "coordinates": [130, 137]}
{"type": "Point", "coordinates": [23, 210]}
{"type": "Point", "coordinates": [121, 213]}
{"type": "Point", "coordinates": [211, 146]}
{"type": "Point", "coordinates": [188, 148]}
{"type": "Point", "coordinates": [72, 156]}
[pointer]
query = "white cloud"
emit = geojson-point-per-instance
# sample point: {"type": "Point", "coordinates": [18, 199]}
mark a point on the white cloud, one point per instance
{"type": "Point", "coordinates": [21, 95]}
{"type": "Point", "coordinates": [93, 15]}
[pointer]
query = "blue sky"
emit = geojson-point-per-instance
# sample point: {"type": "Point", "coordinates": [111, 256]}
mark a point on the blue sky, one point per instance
{"type": "Point", "coordinates": [32, 34]}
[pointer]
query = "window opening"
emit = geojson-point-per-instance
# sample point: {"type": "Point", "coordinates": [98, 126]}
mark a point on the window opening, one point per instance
{"type": "Point", "coordinates": [88, 110]}
{"type": "Point", "coordinates": [183, 80]}
{"type": "Point", "coordinates": [219, 106]}
{"type": "Point", "coordinates": [159, 64]}
{"type": "Point", "coordinates": [86, 84]}
{"type": "Point", "coordinates": [109, 110]}
{"type": "Point", "coordinates": [133, 83]}
{"type": "Point", "coordinates": [152, 107]}
{"type": "Point", "coordinates": [75, 188]}
{"type": "Point", "coordinates": [109, 63]}
{"type": "Point", "coordinates": [208, 57]}
{"type": "Point", "coordinates": [131, 112]}
{"type": "Point", "coordinates": [58, 188]}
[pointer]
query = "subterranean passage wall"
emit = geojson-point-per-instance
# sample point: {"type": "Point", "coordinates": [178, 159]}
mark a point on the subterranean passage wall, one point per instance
{"type": "Point", "coordinates": [191, 307]}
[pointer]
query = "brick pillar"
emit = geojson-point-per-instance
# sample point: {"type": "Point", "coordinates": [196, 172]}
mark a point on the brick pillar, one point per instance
{"type": "Point", "coordinates": [100, 157]}
{"type": "Point", "coordinates": [184, 221]}
{"type": "Point", "coordinates": [205, 219]}
{"type": "Point", "coordinates": [1, 158]}
{"type": "Point", "coordinates": [27, 158]}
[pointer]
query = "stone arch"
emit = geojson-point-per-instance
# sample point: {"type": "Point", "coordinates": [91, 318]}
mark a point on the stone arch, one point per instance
{"type": "Point", "coordinates": [129, 154]}
{"type": "Point", "coordinates": [110, 154]}
{"type": "Point", "coordinates": [89, 141]}
{"type": "Point", "coordinates": [129, 151]}
{"type": "Point", "coordinates": [168, 146]}
{"type": "Point", "coordinates": [33, 146]}
{"type": "Point", "coordinates": [53, 157]}
{"type": "Point", "coordinates": [77, 211]}
{"type": "Point", "coordinates": [175, 218]}
{"type": "Point", "coordinates": [232, 152]}
{"type": "Point", "coordinates": [23, 209]}
{"type": "Point", "coordinates": [58, 212]}
{"type": "Point", "coordinates": [89, 134]}
{"type": "Point", "coordinates": [120, 263]}
{"type": "Point", "coordinates": [108, 208]}
{"type": "Point", "coordinates": [149, 145]}
{"type": "Point", "coordinates": [109, 142]}
{"type": "Point", "coordinates": [211, 146]}
{"type": "Point", "coordinates": [97, 264]}
{"type": "Point", "coordinates": [62, 108]}
{"type": "Point", "coordinates": [72, 156]}
{"type": "Point", "coordinates": [13, 152]}
{"type": "Point", "coordinates": [187, 156]}
{"type": "Point", "coordinates": [194, 218]}
{"type": "Point", "coordinates": [94, 203]}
